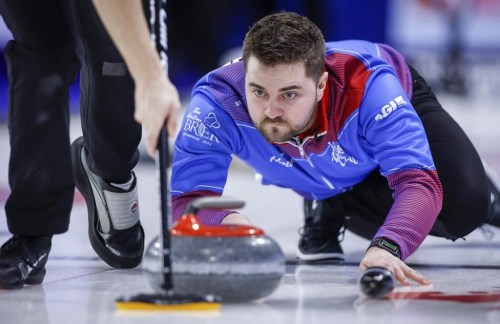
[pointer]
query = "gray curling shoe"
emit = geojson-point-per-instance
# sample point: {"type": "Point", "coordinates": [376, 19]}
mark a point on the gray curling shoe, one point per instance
{"type": "Point", "coordinates": [115, 231]}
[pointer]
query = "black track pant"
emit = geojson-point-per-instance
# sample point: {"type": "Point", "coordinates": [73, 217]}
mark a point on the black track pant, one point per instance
{"type": "Point", "coordinates": [52, 39]}
{"type": "Point", "coordinates": [466, 193]}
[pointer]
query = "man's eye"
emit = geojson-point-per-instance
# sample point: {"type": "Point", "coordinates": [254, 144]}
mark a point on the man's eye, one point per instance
{"type": "Point", "coordinates": [289, 95]}
{"type": "Point", "coordinates": [258, 93]}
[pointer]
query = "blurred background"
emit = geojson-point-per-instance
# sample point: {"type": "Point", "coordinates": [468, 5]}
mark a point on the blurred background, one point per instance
{"type": "Point", "coordinates": [455, 44]}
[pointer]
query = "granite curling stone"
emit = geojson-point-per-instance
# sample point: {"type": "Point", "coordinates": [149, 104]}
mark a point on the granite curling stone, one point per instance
{"type": "Point", "coordinates": [236, 262]}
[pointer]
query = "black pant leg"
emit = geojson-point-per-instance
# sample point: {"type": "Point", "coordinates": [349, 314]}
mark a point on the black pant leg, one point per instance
{"type": "Point", "coordinates": [41, 65]}
{"type": "Point", "coordinates": [466, 197]}
{"type": "Point", "coordinates": [110, 132]}
{"type": "Point", "coordinates": [366, 205]}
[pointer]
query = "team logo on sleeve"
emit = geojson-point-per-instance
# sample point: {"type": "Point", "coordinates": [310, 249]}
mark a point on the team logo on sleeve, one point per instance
{"type": "Point", "coordinates": [211, 121]}
{"type": "Point", "coordinates": [198, 129]}
{"type": "Point", "coordinates": [389, 108]}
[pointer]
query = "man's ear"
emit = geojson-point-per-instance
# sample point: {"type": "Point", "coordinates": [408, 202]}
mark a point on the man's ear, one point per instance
{"type": "Point", "coordinates": [321, 86]}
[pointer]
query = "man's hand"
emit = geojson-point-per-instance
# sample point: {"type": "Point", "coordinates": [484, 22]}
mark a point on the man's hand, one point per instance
{"type": "Point", "coordinates": [377, 257]}
{"type": "Point", "coordinates": [156, 105]}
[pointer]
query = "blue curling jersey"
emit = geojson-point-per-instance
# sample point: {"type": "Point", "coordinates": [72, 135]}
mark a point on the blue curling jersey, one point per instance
{"type": "Point", "coordinates": [370, 125]}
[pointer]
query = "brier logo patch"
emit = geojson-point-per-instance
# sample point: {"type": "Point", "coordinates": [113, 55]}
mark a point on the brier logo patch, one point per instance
{"type": "Point", "coordinates": [198, 129]}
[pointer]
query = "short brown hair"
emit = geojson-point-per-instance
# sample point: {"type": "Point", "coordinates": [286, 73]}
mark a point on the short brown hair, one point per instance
{"type": "Point", "coordinates": [284, 38]}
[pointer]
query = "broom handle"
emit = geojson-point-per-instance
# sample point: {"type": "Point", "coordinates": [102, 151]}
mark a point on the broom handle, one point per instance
{"type": "Point", "coordinates": [158, 29]}
{"type": "Point", "coordinates": [165, 204]}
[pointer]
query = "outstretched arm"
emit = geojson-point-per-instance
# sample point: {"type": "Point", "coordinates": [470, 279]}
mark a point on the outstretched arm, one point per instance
{"type": "Point", "coordinates": [156, 98]}
{"type": "Point", "coordinates": [396, 137]}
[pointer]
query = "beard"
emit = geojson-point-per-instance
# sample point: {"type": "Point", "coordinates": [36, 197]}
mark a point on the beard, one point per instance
{"type": "Point", "coordinates": [278, 130]}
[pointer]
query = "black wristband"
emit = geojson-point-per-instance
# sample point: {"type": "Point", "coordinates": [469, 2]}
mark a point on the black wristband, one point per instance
{"type": "Point", "coordinates": [387, 245]}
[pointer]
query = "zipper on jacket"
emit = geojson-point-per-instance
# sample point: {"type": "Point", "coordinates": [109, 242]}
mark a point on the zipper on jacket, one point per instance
{"type": "Point", "coordinates": [300, 147]}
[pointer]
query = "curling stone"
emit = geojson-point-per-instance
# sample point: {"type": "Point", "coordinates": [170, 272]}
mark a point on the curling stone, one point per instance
{"type": "Point", "coordinates": [376, 282]}
{"type": "Point", "coordinates": [236, 262]}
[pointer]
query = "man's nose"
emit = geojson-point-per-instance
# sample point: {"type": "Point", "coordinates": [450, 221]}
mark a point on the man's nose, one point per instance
{"type": "Point", "coordinates": [273, 110]}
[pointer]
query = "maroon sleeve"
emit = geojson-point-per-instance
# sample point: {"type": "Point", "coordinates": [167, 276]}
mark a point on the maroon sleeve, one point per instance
{"type": "Point", "coordinates": [418, 198]}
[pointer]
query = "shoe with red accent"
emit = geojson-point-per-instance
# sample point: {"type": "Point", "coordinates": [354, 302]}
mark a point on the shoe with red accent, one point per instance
{"type": "Point", "coordinates": [115, 230]}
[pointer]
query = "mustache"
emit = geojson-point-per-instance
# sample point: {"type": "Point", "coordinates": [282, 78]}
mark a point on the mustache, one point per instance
{"type": "Point", "coordinates": [277, 120]}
